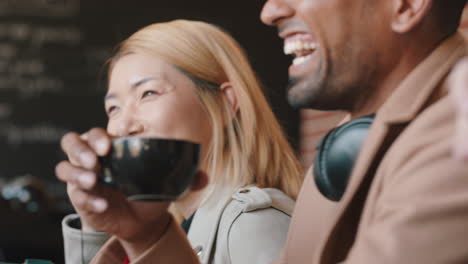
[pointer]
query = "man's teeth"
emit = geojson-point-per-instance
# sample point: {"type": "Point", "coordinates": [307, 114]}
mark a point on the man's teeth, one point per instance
{"type": "Point", "coordinates": [298, 46]}
{"type": "Point", "coordinates": [300, 60]}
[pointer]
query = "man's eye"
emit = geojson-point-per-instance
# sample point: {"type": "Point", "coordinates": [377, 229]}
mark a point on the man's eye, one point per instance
{"type": "Point", "coordinates": [148, 93]}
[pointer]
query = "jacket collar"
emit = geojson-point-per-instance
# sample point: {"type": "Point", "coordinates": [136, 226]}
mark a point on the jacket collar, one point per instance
{"type": "Point", "coordinates": [413, 93]}
{"type": "Point", "coordinates": [204, 227]}
{"type": "Point", "coordinates": [403, 105]}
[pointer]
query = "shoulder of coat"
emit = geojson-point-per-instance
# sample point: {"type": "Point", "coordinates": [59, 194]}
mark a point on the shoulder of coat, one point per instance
{"type": "Point", "coordinates": [252, 198]}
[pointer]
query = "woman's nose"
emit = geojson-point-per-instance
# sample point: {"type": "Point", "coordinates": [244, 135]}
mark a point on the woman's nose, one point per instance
{"type": "Point", "coordinates": [130, 127]}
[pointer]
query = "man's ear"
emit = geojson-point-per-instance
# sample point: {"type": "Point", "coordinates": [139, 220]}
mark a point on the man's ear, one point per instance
{"type": "Point", "coordinates": [231, 96]}
{"type": "Point", "coordinates": [407, 14]}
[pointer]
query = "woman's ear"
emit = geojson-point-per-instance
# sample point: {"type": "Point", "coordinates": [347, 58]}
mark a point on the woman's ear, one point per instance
{"type": "Point", "coordinates": [231, 96]}
{"type": "Point", "coordinates": [407, 14]}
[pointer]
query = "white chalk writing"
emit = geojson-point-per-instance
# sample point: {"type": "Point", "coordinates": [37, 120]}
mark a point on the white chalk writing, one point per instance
{"type": "Point", "coordinates": [49, 8]}
{"type": "Point", "coordinates": [39, 35]}
{"type": "Point", "coordinates": [28, 87]}
{"type": "Point", "coordinates": [16, 135]}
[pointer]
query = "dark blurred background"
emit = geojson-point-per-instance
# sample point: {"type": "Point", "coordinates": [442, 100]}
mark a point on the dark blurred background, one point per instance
{"type": "Point", "coordinates": [52, 55]}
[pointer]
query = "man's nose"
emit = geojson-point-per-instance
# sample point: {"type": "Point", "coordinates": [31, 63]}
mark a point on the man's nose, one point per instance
{"type": "Point", "coordinates": [276, 10]}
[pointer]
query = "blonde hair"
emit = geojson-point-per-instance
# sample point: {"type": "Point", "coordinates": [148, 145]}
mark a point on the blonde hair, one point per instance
{"type": "Point", "coordinates": [247, 147]}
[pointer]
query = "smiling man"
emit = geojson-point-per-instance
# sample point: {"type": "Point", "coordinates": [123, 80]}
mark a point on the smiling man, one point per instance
{"type": "Point", "coordinates": [407, 200]}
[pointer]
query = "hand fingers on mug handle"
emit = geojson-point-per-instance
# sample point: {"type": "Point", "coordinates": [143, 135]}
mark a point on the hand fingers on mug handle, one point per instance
{"type": "Point", "coordinates": [87, 202]}
{"type": "Point", "coordinates": [99, 141]}
{"type": "Point", "coordinates": [200, 181]}
{"type": "Point", "coordinates": [69, 173]}
{"type": "Point", "coordinates": [78, 151]}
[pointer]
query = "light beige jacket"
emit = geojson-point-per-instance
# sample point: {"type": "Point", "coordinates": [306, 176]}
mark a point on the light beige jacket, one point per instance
{"type": "Point", "coordinates": [407, 199]}
{"type": "Point", "coordinates": [248, 227]}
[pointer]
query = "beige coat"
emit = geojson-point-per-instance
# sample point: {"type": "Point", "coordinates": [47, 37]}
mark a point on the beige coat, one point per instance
{"type": "Point", "coordinates": [248, 227]}
{"type": "Point", "coordinates": [407, 200]}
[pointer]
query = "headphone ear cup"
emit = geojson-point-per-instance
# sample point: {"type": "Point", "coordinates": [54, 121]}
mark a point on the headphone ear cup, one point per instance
{"type": "Point", "coordinates": [336, 155]}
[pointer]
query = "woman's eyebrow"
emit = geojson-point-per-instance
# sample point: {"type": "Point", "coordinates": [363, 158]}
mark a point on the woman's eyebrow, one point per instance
{"type": "Point", "coordinates": [135, 84]}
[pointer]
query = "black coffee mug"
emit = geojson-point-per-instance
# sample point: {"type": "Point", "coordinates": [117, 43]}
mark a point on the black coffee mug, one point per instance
{"type": "Point", "coordinates": [150, 168]}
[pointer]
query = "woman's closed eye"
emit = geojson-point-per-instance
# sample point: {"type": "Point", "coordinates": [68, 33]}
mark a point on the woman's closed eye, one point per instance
{"type": "Point", "coordinates": [111, 109]}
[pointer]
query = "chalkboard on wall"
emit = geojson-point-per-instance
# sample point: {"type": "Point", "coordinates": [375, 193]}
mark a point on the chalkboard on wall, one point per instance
{"type": "Point", "coordinates": [48, 85]}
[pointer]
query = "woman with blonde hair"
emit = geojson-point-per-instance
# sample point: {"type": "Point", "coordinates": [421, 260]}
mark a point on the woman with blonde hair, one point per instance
{"type": "Point", "coordinates": [185, 80]}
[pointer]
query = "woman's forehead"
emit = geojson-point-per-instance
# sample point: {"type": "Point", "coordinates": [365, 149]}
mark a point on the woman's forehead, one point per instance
{"type": "Point", "coordinates": [136, 64]}
{"type": "Point", "coordinates": [133, 70]}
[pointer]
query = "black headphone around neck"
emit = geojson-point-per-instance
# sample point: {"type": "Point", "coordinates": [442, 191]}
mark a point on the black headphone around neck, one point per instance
{"type": "Point", "coordinates": [336, 155]}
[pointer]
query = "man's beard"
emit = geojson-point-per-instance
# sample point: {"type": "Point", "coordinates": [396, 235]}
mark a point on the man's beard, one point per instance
{"type": "Point", "coordinates": [309, 94]}
{"type": "Point", "coordinates": [294, 100]}
{"type": "Point", "coordinates": [303, 94]}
